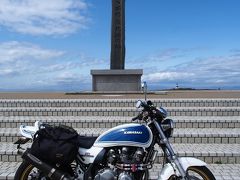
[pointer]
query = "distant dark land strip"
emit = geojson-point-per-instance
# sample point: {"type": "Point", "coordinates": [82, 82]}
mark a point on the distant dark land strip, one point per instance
{"type": "Point", "coordinates": [123, 95]}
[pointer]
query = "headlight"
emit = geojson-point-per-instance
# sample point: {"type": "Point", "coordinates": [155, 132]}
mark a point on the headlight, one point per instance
{"type": "Point", "coordinates": [168, 127]}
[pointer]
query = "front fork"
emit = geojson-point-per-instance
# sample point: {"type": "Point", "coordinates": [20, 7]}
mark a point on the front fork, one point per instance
{"type": "Point", "coordinates": [172, 157]}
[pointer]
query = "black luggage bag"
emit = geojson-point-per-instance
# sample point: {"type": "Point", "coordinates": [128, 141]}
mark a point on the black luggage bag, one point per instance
{"type": "Point", "coordinates": [57, 145]}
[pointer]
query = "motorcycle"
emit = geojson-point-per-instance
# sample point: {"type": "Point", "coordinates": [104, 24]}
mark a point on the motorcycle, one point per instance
{"type": "Point", "coordinates": [125, 152]}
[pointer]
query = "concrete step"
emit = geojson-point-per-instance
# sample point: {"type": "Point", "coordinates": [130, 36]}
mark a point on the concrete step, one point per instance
{"type": "Point", "coordinates": [116, 111]}
{"type": "Point", "coordinates": [117, 102]}
{"type": "Point", "coordinates": [220, 171]}
{"type": "Point", "coordinates": [112, 121]}
{"type": "Point", "coordinates": [210, 153]}
{"type": "Point", "coordinates": [187, 135]}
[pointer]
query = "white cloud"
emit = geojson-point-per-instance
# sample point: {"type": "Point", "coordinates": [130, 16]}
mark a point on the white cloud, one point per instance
{"type": "Point", "coordinates": [13, 51]}
{"type": "Point", "coordinates": [167, 76]}
{"type": "Point", "coordinates": [67, 77]}
{"type": "Point", "coordinates": [208, 72]}
{"type": "Point", "coordinates": [43, 17]}
{"type": "Point", "coordinates": [213, 67]}
{"type": "Point", "coordinates": [58, 67]}
{"type": "Point", "coordinates": [7, 72]}
{"type": "Point", "coordinates": [65, 80]}
{"type": "Point", "coordinates": [27, 66]}
{"type": "Point", "coordinates": [20, 58]}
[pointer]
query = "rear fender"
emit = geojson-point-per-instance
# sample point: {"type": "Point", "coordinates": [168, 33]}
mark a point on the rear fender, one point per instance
{"type": "Point", "coordinates": [170, 169]}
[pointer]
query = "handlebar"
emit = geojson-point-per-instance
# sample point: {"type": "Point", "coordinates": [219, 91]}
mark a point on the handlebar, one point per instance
{"type": "Point", "coordinates": [151, 111]}
{"type": "Point", "coordinates": [135, 118]}
{"type": "Point", "coordinates": [139, 117]}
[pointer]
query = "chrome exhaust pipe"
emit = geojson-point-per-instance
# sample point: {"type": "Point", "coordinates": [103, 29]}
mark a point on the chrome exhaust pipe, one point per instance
{"type": "Point", "coordinates": [48, 170]}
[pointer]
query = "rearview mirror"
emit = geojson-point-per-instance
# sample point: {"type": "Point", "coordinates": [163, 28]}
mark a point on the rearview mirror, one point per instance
{"type": "Point", "coordinates": [144, 85]}
{"type": "Point", "coordinates": [138, 104]}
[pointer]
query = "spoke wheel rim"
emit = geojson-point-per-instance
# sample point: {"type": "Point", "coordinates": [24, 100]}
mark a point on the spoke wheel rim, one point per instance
{"type": "Point", "coordinates": [195, 174]}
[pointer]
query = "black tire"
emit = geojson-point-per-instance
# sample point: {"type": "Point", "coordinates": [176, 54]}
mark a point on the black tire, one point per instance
{"type": "Point", "coordinates": [146, 175]}
{"type": "Point", "coordinates": [198, 172]}
{"type": "Point", "coordinates": [23, 171]}
{"type": "Point", "coordinates": [203, 171]}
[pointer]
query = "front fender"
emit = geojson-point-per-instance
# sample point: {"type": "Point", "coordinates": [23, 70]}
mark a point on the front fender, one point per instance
{"type": "Point", "coordinates": [170, 169]}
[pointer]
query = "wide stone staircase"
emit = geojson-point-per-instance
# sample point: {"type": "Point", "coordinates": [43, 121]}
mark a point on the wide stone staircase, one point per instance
{"type": "Point", "coordinates": [208, 129]}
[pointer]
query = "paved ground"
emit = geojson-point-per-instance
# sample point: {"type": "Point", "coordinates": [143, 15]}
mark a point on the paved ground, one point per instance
{"type": "Point", "coordinates": [155, 95]}
{"type": "Point", "coordinates": [213, 138]}
{"type": "Point", "coordinates": [220, 171]}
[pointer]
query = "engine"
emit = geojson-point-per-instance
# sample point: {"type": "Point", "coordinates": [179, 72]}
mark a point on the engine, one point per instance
{"type": "Point", "coordinates": [123, 163]}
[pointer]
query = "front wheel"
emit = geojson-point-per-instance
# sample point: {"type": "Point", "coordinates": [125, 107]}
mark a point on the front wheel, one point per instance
{"type": "Point", "coordinates": [27, 171]}
{"type": "Point", "coordinates": [197, 173]}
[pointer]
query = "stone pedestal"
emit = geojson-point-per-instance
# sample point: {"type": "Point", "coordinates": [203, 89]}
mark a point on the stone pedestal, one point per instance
{"type": "Point", "coordinates": [116, 80]}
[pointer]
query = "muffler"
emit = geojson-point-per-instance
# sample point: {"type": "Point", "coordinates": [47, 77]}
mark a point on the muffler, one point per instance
{"type": "Point", "coordinates": [48, 170]}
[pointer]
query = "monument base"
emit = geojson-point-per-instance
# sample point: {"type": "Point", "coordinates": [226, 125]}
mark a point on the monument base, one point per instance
{"type": "Point", "coordinates": [116, 80]}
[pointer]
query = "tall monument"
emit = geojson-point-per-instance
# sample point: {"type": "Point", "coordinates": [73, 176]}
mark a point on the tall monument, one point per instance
{"type": "Point", "coordinates": [118, 35]}
{"type": "Point", "coordinates": [117, 78]}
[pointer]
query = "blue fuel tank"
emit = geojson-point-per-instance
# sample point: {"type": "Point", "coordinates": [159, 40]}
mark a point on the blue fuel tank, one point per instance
{"type": "Point", "coordinates": [126, 135]}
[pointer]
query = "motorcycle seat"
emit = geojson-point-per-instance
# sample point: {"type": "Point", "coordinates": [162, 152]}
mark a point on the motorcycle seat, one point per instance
{"type": "Point", "coordinates": [86, 141]}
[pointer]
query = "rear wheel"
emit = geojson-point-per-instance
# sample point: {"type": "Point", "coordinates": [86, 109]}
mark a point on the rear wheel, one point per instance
{"type": "Point", "coordinates": [27, 171]}
{"type": "Point", "coordinates": [197, 173]}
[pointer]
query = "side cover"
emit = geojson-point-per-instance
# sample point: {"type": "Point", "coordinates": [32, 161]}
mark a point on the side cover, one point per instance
{"type": "Point", "coordinates": [126, 135]}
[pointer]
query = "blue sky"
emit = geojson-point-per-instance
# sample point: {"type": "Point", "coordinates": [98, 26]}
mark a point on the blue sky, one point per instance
{"type": "Point", "coordinates": [52, 45]}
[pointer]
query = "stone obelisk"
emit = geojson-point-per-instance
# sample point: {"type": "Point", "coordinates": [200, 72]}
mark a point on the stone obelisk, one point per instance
{"type": "Point", "coordinates": [117, 78]}
{"type": "Point", "coordinates": [118, 35]}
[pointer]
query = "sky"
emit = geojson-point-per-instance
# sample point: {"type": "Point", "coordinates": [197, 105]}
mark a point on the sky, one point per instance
{"type": "Point", "coordinates": [51, 45]}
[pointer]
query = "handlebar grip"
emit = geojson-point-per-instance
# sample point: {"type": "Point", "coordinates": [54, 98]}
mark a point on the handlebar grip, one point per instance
{"type": "Point", "coordinates": [139, 117]}
{"type": "Point", "coordinates": [135, 118]}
